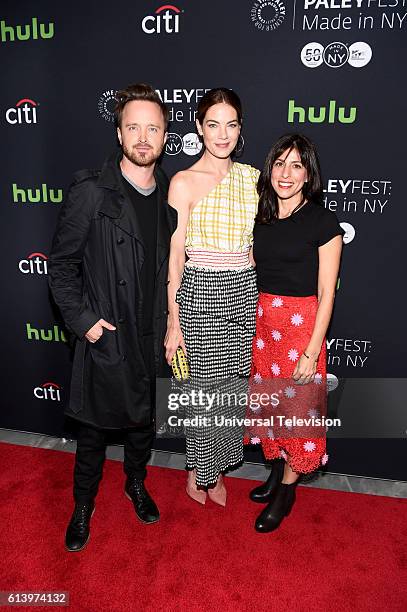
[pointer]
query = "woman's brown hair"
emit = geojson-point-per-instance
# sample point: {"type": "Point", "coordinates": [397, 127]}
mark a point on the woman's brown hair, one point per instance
{"type": "Point", "coordinates": [218, 96]}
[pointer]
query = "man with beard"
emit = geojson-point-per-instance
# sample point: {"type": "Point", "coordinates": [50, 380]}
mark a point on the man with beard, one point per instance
{"type": "Point", "coordinates": [108, 273]}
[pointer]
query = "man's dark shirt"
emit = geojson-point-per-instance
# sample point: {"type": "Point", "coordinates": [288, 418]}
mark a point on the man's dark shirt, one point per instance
{"type": "Point", "coordinates": [144, 209]}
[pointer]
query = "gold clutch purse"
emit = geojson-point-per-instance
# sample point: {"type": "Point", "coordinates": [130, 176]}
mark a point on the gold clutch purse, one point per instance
{"type": "Point", "coordinates": [179, 365]}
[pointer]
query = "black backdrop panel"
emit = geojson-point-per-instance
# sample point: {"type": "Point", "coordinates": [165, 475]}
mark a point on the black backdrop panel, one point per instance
{"type": "Point", "coordinates": [332, 70]}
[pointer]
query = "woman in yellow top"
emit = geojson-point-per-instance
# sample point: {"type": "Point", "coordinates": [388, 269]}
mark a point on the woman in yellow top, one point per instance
{"type": "Point", "coordinates": [212, 295]}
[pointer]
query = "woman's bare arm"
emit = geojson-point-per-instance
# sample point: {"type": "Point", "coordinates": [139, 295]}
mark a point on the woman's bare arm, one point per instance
{"type": "Point", "coordinates": [179, 198]}
{"type": "Point", "coordinates": [329, 260]}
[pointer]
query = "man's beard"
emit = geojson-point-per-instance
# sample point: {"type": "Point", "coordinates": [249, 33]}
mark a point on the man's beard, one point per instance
{"type": "Point", "coordinates": [144, 158]}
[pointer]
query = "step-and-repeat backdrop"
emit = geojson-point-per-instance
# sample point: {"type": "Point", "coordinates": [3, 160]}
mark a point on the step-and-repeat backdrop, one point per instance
{"type": "Point", "coordinates": [331, 69]}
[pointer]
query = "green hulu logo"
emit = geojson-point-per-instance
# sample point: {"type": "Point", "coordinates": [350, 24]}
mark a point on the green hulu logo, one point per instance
{"type": "Point", "coordinates": [33, 31]}
{"type": "Point", "coordinates": [332, 114]}
{"type": "Point", "coordinates": [48, 335]}
{"type": "Point", "coordinates": [42, 194]}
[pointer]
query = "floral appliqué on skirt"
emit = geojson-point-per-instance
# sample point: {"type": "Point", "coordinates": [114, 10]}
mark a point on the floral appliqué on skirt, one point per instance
{"type": "Point", "coordinates": [292, 426]}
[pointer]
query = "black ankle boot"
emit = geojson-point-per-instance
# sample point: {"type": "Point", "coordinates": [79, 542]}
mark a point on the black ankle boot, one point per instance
{"type": "Point", "coordinates": [280, 506]}
{"type": "Point", "coordinates": [144, 505]}
{"type": "Point", "coordinates": [264, 492]}
{"type": "Point", "coordinates": [77, 533]}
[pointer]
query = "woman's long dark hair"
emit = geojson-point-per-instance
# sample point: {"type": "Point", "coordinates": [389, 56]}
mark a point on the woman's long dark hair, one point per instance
{"type": "Point", "coordinates": [268, 211]}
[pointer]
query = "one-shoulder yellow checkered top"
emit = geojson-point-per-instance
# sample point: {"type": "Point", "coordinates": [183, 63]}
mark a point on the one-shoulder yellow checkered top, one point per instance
{"type": "Point", "coordinates": [223, 220]}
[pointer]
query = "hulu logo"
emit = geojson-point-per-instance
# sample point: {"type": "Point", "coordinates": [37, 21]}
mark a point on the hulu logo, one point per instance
{"type": "Point", "coordinates": [48, 335]}
{"type": "Point", "coordinates": [332, 114]}
{"type": "Point", "coordinates": [32, 31]}
{"type": "Point", "coordinates": [42, 194]}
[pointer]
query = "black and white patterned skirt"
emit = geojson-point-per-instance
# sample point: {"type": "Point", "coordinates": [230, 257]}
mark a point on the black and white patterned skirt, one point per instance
{"type": "Point", "coordinates": [217, 316]}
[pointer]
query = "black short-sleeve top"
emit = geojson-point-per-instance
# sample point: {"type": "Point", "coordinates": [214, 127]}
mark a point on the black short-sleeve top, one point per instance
{"type": "Point", "coordinates": [286, 252]}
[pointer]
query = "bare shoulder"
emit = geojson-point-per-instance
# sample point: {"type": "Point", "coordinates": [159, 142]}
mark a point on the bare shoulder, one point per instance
{"type": "Point", "coordinates": [189, 176]}
{"type": "Point", "coordinates": [184, 185]}
{"type": "Point", "coordinates": [181, 179]}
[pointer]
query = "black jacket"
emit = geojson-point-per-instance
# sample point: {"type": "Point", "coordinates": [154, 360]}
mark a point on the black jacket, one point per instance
{"type": "Point", "coordinates": [94, 272]}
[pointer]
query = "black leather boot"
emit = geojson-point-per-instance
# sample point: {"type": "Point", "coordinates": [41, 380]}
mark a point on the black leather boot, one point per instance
{"type": "Point", "coordinates": [144, 505]}
{"type": "Point", "coordinates": [264, 492]}
{"type": "Point", "coordinates": [78, 531]}
{"type": "Point", "coordinates": [279, 507]}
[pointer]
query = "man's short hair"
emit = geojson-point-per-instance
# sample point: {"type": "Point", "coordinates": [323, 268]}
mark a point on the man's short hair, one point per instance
{"type": "Point", "coordinates": [139, 91]}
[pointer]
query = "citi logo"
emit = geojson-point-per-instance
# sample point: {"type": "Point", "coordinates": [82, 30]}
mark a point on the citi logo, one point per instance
{"type": "Point", "coordinates": [48, 391]}
{"type": "Point", "coordinates": [41, 194]}
{"type": "Point", "coordinates": [166, 19]}
{"type": "Point", "coordinates": [330, 114]}
{"type": "Point", "coordinates": [33, 31]}
{"type": "Point", "coordinates": [25, 111]}
{"type": "Point", "coordinates": [36, 263]}
{"type": "Point", "coordinates": [47, 335]}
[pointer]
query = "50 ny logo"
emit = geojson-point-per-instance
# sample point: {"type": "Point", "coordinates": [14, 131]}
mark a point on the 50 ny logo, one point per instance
{"type": "Point", "coordinates": [336, 54]}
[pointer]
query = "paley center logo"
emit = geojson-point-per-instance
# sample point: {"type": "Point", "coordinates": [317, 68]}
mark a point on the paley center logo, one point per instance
{"type": "Point", "coordinates": [48, 391]}
{"type": "Point", "coordinates": [33, 31]}
{"type": "Point", "coordinates": [165, 20]}
{"type": "Point", "coordinates": [325, 114]}
{"type": "Point", "coordinates": [25, 111]}
{"type": "Point", "coordinates": [107, 103]}
{"type": "Point", "coordinates": [336, 54]}
{"type": "Point", "coordinates": [267, 15]}
{"type": "Point", "coordinates": [36, 263]}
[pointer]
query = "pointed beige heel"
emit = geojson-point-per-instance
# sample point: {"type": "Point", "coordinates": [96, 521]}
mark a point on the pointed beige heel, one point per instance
{"type": "Point", "coordinates": [192, 490]}
{"type": "Point", "coordinates": [218, 493]}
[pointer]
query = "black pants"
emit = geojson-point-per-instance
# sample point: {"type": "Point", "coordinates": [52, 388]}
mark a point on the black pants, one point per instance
{"type": "Point", "coordinates": [91, 446]}
{"type": "Point", "coordinates": [90, 457]}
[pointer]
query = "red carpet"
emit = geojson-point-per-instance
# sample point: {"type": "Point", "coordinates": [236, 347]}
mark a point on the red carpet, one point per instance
{"type": "Point", "coordinates": [337, 551]}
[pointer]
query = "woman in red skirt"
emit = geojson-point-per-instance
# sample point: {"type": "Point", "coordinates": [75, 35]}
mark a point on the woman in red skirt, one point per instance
{"type": "Point", "coordinates": [297, 249]}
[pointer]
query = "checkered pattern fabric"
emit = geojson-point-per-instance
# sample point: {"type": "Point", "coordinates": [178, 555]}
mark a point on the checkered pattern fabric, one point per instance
{"type": "Point", "coordinates": [223, 220]}
{"type": "Point", "coordinates": [217, 315]}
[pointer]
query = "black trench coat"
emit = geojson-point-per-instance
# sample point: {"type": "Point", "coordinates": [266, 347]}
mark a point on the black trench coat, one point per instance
{"type": "Point", "coordinates": [94, 272]}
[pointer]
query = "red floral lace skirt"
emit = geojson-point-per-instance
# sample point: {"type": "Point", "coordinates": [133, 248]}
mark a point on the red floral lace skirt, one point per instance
{"type": "Point", "coordinates": [291, 425]}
